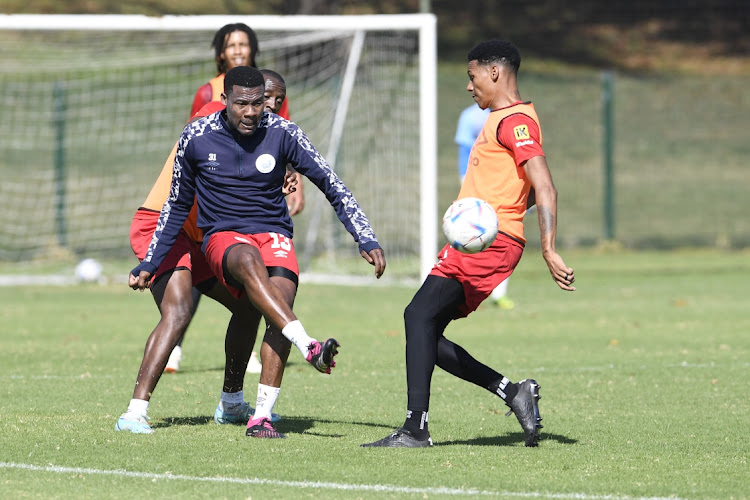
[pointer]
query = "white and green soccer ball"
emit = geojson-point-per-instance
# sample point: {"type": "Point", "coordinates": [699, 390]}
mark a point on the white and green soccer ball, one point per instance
{"type": "Point", "coordinates": [470, 225]}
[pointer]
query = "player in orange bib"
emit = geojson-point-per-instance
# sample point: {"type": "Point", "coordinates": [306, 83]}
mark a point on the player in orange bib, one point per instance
{"type": "Point", "coordinates": [508, 169]}
{"type": "Point", "coordinates": [234, 45]}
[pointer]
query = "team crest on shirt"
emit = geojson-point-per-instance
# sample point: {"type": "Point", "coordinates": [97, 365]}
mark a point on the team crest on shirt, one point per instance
{"type": "Point", "coordinates": [265, 163]}
{"type": "Point", "coordinates": [521, 132]}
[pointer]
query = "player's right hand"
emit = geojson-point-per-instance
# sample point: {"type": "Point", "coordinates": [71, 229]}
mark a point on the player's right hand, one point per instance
{"type": "Point", "coordinates": [561, 274]}
{"type": "Point", "coordinates": [140, 282]}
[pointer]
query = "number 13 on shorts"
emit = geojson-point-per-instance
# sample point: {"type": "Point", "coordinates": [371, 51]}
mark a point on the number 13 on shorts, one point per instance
{"type": "Point", "coordinates": [280, 241]}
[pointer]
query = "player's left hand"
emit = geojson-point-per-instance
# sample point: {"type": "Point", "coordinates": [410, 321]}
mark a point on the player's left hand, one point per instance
{"type": "Point", "coordinates": [141, 282]}
{"type": "Point", "coordinates": [376, 257]}
{"type": "Point", "coordinates": [296, 199]}
{"type": "Point", "coordinates": [290, 183]}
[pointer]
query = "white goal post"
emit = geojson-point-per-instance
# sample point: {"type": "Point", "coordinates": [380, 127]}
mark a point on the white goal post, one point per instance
{"type": "Point", "coordinates": [94, 103]}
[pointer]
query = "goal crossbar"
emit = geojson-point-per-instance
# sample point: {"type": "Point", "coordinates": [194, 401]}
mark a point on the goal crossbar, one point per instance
{"type": "Point", "coordinates": [116, 22]}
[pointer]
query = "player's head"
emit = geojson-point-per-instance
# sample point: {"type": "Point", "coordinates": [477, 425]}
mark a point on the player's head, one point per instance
{"type": "Point", "coordinates": [499, 52]}
{"type": "Point", "coordinates": [243, 96]}
{"type": "Point", "coordinates": [275, 92]}
{"type": "Point", "coordinates": [235, 44]}
{"type": "Point", "coordinates": [493, 67]}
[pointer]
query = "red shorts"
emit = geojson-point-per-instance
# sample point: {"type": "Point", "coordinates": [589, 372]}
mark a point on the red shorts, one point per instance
{"type": "Point", "coordinates": [276, 250]}
{"type": "Point", "coordinates": [184, 254]}
{"type": "Point", "coordinates": [481, 272]}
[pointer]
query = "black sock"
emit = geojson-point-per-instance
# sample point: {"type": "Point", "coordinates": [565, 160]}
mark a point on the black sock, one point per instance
{"type": "Point", "coordinates": [504, 388]}
{"type": "Point", "coordinates": [416, 424]}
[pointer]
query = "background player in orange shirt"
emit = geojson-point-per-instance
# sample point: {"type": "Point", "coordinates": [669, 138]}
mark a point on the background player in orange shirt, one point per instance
{"type": "Point", "coordinates": [236, 44]}
{"type": "Point", "coordinates": [507, 168]}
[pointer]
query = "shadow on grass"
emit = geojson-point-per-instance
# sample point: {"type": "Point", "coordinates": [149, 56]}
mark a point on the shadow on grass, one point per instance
{"type": "Point", "coordinates": [293, 425]}
{"type": "Point", "coordinates": [170, 421]}
{"type": "Point", "coordinates": [304, 425]}
{"type": "Point", "coordinates": [511, 439]}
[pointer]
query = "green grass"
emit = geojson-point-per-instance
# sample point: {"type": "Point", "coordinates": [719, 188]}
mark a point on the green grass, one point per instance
{"type": "Point", "coordinates": [644, 375]}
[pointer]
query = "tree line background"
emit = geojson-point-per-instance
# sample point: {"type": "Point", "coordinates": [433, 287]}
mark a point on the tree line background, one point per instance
{"type": "Point", "coordinates": [634, 35]}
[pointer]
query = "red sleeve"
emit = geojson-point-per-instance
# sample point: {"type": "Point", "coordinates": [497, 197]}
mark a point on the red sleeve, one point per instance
{"type": "Point", "coordinates": [520, 134]}
{"type": "Point", "coordinates": [202, 97]}
{"type": "Point", "coordinates": [284, 111]}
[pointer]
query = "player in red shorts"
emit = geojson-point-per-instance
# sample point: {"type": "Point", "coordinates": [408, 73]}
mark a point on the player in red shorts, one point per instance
{"type": "Point", "coordinates": [507, 168]}
{"type": "Point", "coordinates": [183, 271]}
{"type": "Point", "coordinates": [234, 163]}
{"type": "Point", "coordinates": [234, 44]}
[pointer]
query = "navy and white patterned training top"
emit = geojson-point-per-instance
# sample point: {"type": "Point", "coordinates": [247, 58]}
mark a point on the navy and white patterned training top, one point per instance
{"type": "Point", "coordinates": [237, 181]}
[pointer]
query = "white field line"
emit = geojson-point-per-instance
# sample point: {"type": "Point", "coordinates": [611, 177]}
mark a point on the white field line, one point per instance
{"type": "Point", "coordinates": [381, 488]}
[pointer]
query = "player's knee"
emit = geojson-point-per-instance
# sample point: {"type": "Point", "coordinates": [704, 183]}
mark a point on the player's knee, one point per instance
{"type": "Point", "coordinates": [177, 315]}
{"type": "Point", "coordinates": [245, 263]}
{"type": "Point", "coordinates": [417, 311]}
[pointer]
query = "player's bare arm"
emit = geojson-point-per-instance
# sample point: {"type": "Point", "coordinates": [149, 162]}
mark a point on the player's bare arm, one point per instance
{"type": "Point", "coordinates": [376, 257]}
{"type": "Point", "coordinates": [545, 192]}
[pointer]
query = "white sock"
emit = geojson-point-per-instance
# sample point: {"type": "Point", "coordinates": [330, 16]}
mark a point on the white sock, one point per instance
{"type": "Point", "coordinates": [266, 400]}
{"type": "Point", "coordinates": [229, 399]}
{"type": "Point", "coordinates": [138, 407]}
{"type": "Point", "coordinates": [500, 290]}
{"type": "Point", "coordinates": [297, 335]}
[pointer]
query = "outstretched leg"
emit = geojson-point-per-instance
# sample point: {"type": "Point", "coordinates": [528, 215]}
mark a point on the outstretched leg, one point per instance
{"type": "Point", "coordinates": [246, 267]}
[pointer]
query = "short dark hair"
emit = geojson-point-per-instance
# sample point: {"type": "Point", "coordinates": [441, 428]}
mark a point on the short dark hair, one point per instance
{"type": "Point", "coordinates": [498, 52]}
{"type": "Point", "coordinates": [269, 73]}
{"type": "Point", "coordinates": [220, 39]}
{"type": "Point", "coordinates": [243, 76]}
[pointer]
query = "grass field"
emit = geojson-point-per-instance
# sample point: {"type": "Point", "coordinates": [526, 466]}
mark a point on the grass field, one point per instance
{"type": "Point", "coordinates": [644, 375]}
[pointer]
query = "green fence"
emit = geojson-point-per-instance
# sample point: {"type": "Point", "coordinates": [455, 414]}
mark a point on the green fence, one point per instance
{"type": "Point", "coordinates": [678, 148]}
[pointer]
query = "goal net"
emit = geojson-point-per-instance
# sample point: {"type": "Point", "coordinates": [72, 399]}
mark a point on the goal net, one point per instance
{"type": "Point", "coordinates": [93, 104]}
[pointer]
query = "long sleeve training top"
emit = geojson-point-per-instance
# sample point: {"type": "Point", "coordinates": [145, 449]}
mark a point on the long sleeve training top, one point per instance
{"type": "Point", "coordinates": [238, 182]}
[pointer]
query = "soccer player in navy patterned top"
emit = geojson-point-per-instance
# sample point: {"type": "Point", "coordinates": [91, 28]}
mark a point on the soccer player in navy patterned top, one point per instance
{"type": "Point", "coordinates": [234, 163]}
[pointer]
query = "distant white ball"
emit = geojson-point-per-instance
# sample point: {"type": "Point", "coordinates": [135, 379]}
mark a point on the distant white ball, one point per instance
{"type": "Point", "coordinates": [470, 225]}
{"type": "Point", "coordinates": [88, 271]}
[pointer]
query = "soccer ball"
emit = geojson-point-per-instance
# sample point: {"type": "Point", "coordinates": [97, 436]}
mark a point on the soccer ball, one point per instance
{"type": "Point", "coordinates": [88, 271]}
{"type": "Point", "coordinates": [470, 225]}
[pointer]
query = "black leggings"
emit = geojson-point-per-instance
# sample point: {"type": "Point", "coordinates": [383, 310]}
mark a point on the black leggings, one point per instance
{"type": "Point", "coordinates": [434, 306]}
